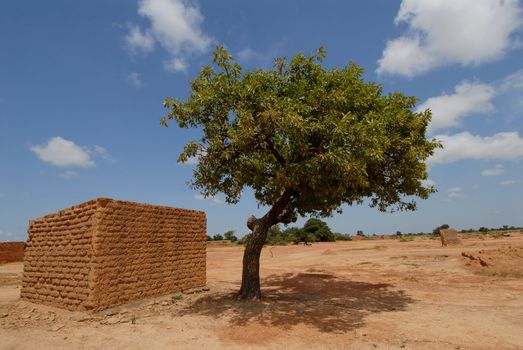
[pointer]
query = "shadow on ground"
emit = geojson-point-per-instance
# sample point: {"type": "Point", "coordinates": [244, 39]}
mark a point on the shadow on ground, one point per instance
{"type": "Point", "coordinates": [323, 301]}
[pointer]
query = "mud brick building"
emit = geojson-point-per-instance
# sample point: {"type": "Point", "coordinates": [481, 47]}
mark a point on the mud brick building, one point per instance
{"type": "Point", "coordinates": [105, 253]}
{"type": "Point", "coordinates": [11, 252]}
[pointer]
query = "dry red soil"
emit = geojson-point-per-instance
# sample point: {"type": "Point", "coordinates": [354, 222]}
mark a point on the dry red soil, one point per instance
{"type": "Point", "coordinates": [376, 294]}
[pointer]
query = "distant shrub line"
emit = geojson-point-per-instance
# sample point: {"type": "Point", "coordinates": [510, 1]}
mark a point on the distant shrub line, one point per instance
{"type": "Point", "coordinates": [316, 230]}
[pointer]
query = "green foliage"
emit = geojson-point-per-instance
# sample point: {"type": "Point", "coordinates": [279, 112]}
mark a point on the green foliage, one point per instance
{"type": "Point", "coordinates": [342, 236]}
{"type": "Point", "coordinates": [134, 318]}
{"type": "Point", "coordinates": [275, 236]}
{"type": "Point", "coordinates": [291, 234]}
{"type": "Point", "coordinates": [323, 136]}
{"type": "Point", "coordinates": [360, 233]}
{"type": "Point", "coordinates": [208, 238]}
{"type": "Point", "coordinates": [230, 236]}
{"type": "Point", "coordinates": [437, 229]}
{"type": "Point", "coordinates": [244, 239]}
{"type": "Point", "coordinates": [319, 229]}
{"type": "Point", "coordinates": [217, 237]}
{"type": "Point", "coordinates": [176, 297]}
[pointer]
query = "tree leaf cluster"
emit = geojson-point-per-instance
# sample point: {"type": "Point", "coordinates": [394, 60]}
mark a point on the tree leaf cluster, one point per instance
{"type": "Point", "coordinates": [316, 137]}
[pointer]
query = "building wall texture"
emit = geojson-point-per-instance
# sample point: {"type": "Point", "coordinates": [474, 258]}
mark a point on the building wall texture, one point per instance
{"type": "Point", "coordinates": [11, 252]}
{"type": "Point", "coordinates": [105, 253]}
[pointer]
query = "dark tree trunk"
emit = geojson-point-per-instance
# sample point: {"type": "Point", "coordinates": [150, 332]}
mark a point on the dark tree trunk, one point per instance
{"type": "Point", "coordinates": [250, 289]}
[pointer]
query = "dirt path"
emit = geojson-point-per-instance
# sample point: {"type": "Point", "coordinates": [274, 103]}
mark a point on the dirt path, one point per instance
{"type": "Point", "coordinates": [380, 294]}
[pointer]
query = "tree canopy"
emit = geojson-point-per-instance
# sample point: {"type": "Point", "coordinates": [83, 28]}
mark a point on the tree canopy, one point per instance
{"type": "Point", "coordinates": [305, 138]}
{"type": "Point", "coordinates": [326, 136]}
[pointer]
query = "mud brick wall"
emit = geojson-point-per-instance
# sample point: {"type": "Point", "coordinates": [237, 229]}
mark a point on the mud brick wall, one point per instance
{"type": "Point", "coordinates": [449, 237]}
{"type": "Point", "coordinates": [105, 253]}
{"type": "Point", "coordinates": [143, 250]}
{"type": "Point", "coordinates": [11, 252]}
{"type": "Point", "coordinates": [57, 262]}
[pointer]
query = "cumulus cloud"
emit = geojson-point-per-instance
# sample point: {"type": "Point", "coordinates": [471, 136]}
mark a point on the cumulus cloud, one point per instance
{"type": "Point", "coordinates": [102, 153]}
{"type": "Point", "coordinates": [176, 65]}
{"type": "Point", "coordinates": [134, 79]}
{"type": "Point", "coordinates": [496, 170]}
{"type": "Point", "coordinates": [175, 25]}
{"type": "Point", "coordinates": [137, 41]}
{"type": "Point", "coordinates": [464, 145]}
{"type": "Point", "coordinates": [63, 153]}
{"type": "Point", "coordinates": [513, 81]}
{"type": "Point", "coordinates": [466, 32]}
{"type": "Point", "coordinates": [468, 98]}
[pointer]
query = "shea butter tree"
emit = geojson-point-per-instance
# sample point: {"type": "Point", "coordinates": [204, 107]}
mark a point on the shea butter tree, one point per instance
{"type": "Point", "coordinates": [306, 139]}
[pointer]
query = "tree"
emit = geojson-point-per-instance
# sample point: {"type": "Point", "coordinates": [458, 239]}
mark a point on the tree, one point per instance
{"type": "Point", "coordinates": [217, 237]}
{"type": "Point", "coordinates": [360, 233]}
{"type": "Point", "coordinates": [291, 234]}
{"type": "Point", "coordinates": [304, 138]}
{"type": "Point", "coordinates": [437, 229]}
{"type": "Point", "coordinates": [230, 236]}
{"type": "Point", "coordinates": [319, 229]}
{"type": "Point", "coordinates": [274, 235]}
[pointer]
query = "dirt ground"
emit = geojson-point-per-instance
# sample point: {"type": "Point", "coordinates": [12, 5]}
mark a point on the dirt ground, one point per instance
{"type": "Point", "coordinates": [378, 294]}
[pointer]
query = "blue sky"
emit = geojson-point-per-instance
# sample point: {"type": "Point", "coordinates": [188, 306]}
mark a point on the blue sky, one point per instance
{"type": "Point", "coordinates": [82, 85]}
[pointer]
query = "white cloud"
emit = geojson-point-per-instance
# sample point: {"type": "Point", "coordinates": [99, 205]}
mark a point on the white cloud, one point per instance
{"type": "Point", "coordinates": [176, 65]}
{"type": "Point", "coordinates": [509, 182]}
{"type": "Point", "coordinates": [63, 153]}
{"type": "Point", "coordinates": [496, 170]}
{"type": "Point", "coordinates": [134, 79]}
{"type": "Point", "coordinates": [102, 152]}
{"type": "Point", "coordinates": [461, 146]}
{"type": "Point", "coordinates": [455, 192]}
{"type": "Point", "coordinates": [138, 42]}
{"type": "Point", "coordinates": [175, 25]}
{"type": "Point", "coordinates": [513, 81]}
{"type": "Point", "coordinates": [68, 174]}
{"type": "Point", "coordinates": [214, 199]}
{"type": "Point", "coordinates": [468, 98]}
{"type": "Point", "coordinates": [247, 54]}
{"type": "Point", "coordinates": [466, 32]}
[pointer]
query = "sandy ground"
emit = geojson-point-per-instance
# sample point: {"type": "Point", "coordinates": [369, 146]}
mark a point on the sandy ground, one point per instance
{"type": "Point", "coordinates": [379, 294]}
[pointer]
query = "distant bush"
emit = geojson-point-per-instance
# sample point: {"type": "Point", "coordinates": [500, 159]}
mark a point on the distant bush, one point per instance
{"type": "Point", "coordinates": [437, 229]}
{"type": "Point", "coordinates": [342, 236]}
{"type": "Point", "coordinates": [230, 236]}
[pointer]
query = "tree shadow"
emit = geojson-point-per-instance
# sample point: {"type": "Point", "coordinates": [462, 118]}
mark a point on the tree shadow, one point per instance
{"type": "Point", "coordinates": [323, 301]}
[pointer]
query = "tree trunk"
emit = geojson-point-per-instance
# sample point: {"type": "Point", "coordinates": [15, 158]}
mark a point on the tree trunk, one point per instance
{"type": "Point", "coordinates": [250, 289]}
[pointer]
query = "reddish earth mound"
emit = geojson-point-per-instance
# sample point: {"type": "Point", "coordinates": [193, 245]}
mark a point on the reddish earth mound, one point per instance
{"type": "Point", "coordinates": [503, 262]}
{"type": "Point", "coordinates": [329, 252]}
{"type": "Point", "coordinates": [11, 252]}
